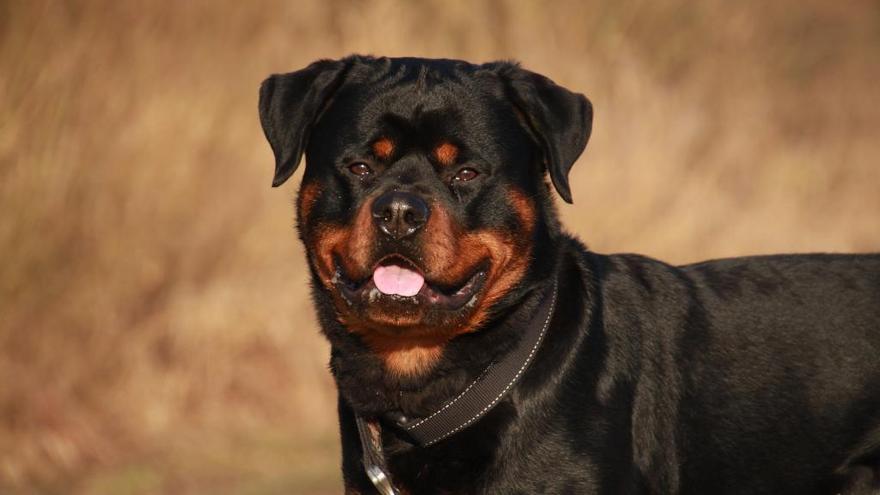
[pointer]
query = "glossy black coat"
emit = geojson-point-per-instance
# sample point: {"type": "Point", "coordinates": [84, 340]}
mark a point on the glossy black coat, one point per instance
{"type": "Point", "coordinates": [755, 375]}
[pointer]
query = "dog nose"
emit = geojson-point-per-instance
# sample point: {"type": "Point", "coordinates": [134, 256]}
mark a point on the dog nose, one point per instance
{"type": "Point", "coordinates": [399, 214]}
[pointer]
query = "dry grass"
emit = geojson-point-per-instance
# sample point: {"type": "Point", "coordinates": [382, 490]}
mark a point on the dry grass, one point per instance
{"type": "Point", "coordinates": [155, 334]}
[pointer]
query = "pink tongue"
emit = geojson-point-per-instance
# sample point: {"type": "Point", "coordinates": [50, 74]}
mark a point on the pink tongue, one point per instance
{"type": "Point", "coordinates": [393, 279]}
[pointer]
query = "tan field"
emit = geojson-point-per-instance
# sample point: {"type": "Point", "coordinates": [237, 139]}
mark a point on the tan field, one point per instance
{"type": "Point", "coordinates": [156, 335]}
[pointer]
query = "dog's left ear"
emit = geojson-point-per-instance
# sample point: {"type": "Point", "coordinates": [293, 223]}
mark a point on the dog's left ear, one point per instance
{"type": "Point", "coordinates": [560, 119]}
{"type": "Point", "coordinates": [289, 105]}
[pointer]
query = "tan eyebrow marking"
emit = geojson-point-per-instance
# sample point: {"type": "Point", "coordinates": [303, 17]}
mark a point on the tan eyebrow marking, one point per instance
{"type": "Point", "coordinates": [383, 148]}
{"type": "Point", "coordinates": [446, 153]}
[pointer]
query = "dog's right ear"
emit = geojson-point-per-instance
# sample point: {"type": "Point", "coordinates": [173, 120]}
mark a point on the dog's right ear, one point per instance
{"type": "Point", "coordinates": [289, 105]}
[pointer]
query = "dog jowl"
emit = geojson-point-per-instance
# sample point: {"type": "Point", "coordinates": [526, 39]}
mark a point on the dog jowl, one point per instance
{"type": "Point", "coordinates": [478, 348]}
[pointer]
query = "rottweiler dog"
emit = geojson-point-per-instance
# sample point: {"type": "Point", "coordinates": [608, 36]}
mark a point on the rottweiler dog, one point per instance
{"type": "Point", "coordinates": [453, 298]}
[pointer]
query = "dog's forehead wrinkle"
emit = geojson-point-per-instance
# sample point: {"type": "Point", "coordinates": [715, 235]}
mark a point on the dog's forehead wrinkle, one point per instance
{"type": "Point", "coordinates": [419, 72]}
{"type": "Point", "coordinates": [406, 95]}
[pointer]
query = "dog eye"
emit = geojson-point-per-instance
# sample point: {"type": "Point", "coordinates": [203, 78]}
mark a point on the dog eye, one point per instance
{"type": "Point", "coordinates": [360, 169]}
{"type": "Point", "coordinates": [465, 175]}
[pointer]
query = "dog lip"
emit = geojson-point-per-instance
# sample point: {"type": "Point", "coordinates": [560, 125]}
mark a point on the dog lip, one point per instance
{"type": "Point", "coordinates": [340, 278]}
{"type": "Point", "coordinates": [432, 295]}
{"type": "Point", "coordinates": [461, 297]}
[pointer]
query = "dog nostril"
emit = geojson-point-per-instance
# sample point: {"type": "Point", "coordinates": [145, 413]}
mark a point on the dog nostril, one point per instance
{"type": "Point", "coordinates": [399, 214]}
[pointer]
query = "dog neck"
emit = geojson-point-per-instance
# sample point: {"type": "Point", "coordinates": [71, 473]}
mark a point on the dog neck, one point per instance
{"type": "Point", "coordinates": [495, 381]}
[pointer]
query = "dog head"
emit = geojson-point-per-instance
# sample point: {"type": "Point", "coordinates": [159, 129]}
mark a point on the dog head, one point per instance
{"type": "Point", "coordinates": [424, 205]}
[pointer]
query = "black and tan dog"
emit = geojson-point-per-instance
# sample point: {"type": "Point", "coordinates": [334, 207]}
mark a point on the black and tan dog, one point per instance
{"type": "Point", "coordinates": [478, 348]}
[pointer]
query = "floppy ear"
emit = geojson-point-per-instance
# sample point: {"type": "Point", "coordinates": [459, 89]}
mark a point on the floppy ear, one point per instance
{"type": "Point", "coordinates": [561, 121]}
{"type": "Point", "coordinates": [289, 105]}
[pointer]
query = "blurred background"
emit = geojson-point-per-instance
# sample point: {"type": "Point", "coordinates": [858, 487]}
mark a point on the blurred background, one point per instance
{"type": "Point", "coordinates": [155, 331]}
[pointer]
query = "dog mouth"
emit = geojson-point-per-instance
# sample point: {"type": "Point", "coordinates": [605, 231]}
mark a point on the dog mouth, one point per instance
{"type": "Point", "coordinates": [399, 282]}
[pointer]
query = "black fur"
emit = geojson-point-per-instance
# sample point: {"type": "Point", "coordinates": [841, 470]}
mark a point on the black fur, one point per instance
{"type": "Point", "coordinates": [755, 375]}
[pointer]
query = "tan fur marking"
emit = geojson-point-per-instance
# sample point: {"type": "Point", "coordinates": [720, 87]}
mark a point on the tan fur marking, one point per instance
{"type": "Point", "coordinates": [442, 236]}
{"type": "Point", "coordinates": [383, 148]}
{"type": "Point", "coordinates": [406, 357]}
{"type": "Point", "coordinates": [524, 208]}
{"type": "Point", "coordinates": [326, 239]}
{"type": "Point", "coordinates": [352, 244]}
{"type": "Point", "coordinates": [509, 260]}
{"type": "Point", "coordinates": [446, 153]}
{"type": "Point", "coordinates": [308, 194]}
{"type": "Point", "coordinates": [363, 236]}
